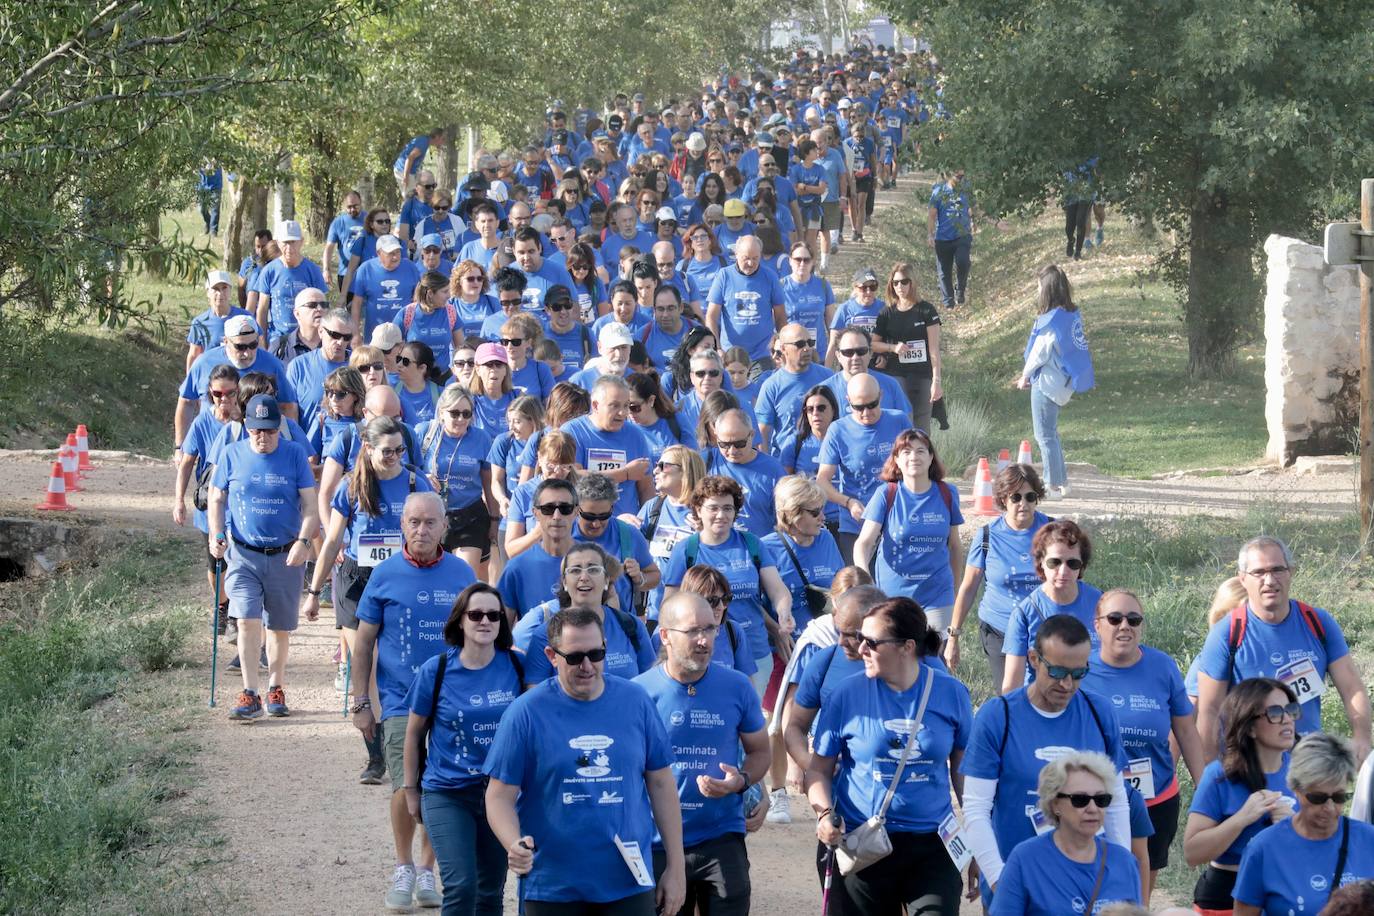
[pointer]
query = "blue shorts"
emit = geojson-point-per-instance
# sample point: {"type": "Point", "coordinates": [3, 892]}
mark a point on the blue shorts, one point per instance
{"type": "Point", "coordinates": [263, 588]}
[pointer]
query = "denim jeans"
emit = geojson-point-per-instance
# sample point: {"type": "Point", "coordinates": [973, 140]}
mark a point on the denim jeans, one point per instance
{"type": "Point", "coordinates": [472, 862]}
{"type": "Point", "coordinates": [1045, 422]}
{"type": "Point", "coordinates": [951, 267]}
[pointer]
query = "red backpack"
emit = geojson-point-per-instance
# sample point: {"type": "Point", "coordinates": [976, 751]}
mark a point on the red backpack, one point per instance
{"type": "Point", "coordinates": [1239, 619]}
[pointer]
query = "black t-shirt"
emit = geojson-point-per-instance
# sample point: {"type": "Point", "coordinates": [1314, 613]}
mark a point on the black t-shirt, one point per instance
{"type": "Point", "coordinates": [911, 329]}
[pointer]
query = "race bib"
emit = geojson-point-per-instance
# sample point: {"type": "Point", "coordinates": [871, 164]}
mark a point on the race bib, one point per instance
{"type": "Point", "coordinates": [894, 123]}
{"type": "Point", "coordinates": [912, 351]}
{"type": "Point", "coordinates": [1141, 776]}
{"type": "Point", "coordinates": [864, 321]}
{"type": "Point", "coordinates": [374, 548]}
{"type": "Point", "coordinates": [1038, 820]}
{"type": "Point", "coordinates": [1302, 678]}
{"type": "Point", "coordinates": [605, 460]}
{"type": "Point", "coordinates": [953, 838]}
{"type": "Point", "coordinates": [634, 858]}
{"type": "Point", "coordinates": [666, 538]}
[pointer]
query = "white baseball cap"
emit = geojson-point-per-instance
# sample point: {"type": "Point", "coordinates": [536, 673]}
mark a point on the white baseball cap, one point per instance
{"type": "Point", "coordinates": [388, 243]}
{"type": "Point", "coordinates": [288, 230]}
{"type": "Point", "coordinates": [216, 277]}
{"type": "Point", "coordinates": [240, 326]}
{"type": "Point", "coordinates": [615, 334]}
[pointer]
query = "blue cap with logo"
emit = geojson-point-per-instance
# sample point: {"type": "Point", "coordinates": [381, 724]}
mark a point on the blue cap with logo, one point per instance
{"type": "Point", "coordinates": [262, 413]}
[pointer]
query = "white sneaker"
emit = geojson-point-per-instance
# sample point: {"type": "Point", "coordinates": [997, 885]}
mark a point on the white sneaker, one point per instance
{"type": "Point", "coordinates": [1054, 493]}
{"type": "Point", "coordinates": [399, 898]}
{"type": "Point", "coordinates": [425, 894]}
{"type": "Point", "coordinates": [1064, 491]}
{"type": "Point", "coordinates": [340, 679]}
{"type": "Point", "coordinates": [779, 811]}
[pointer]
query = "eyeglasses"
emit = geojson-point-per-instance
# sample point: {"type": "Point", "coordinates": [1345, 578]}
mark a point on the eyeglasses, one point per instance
{"type": "Point", "coordinates": [871, 405]}
{"type": "Point", "coordinates": [459, 414]}
{"type": "Point", "coordinates": [1081, 799]}
{"type": "Point", "coordinates": [901, 281]}
{"type": "Point", "coordinates": [716, 601]}
{"type": "Point", "coordinates": [1059, 672]}
{"type": "Point", "coordinates": [372, 367]}
{"type": "Point", "coordinates": [336, 395]}
{"type": "Point", "coordinates": [817, 408]}
{"type": "Point", "coordinates": [868, 287]}
{"type": "Point", "coordinates": [799, 344]}
{"type": "Point", "coordinates": [562, 305]}
{"type": "Point", "coordinates": [245, 347]}
{"type": "Point", "coordinates": [465, 363]}
{"type": "Point", "coordinates": [489, 616]}
{"type": "Point", "coordinates": [391, 452]}
{"type": "Point", "coordinates": [314, 305]}
{"type": "Point", "coordinates": [548, 509]}
{"type": "Point", "coordinates": [576, 659]}
{"type": "Point", "coordinates": [221, 395]}
{"type": "Point", "coordinates": [594, 516]}
{"type": "Point", "coordinates": [1030, 497]}
{"type": "Point", "coordinates": [873, 644]}
{"type": "Point", "coordinates": [1116, 617]}
{"type": "Point", "coordinates": [706, 373]}
{"type": "Point", "coordinates": [1274, 714]}
{"type": "Point", "coordinates": [1321, 798]}
{"type": "Point", "coordinates": [1275, 571]}
{"type": "Point", "coordinates": [729, 444]}
{"type": "Point", "coordinates": [699, 237]}
{"type": "Point", "coordinates": [665, 465]}
{"type": "Point", "coordinates": [1071, 562]}
{"type": "Point", "coordinates": [695, 632]}
{"type": "Point", "coordinates": [591, 569]}
{"type": "Point", "coordinates": [473, 278]}
{"type": "Point", "coordinates": [855, 351]}
{"type": "Point", "coordinates": [381, 222]}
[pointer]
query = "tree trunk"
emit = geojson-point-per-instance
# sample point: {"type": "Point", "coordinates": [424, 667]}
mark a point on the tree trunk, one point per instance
{"type": "Point", "coordinates": [447, 166]}
{"type": "Point", "coordinates": [325, 194]}
{"type": "Point", "coordinates": [155, 264]}
{"type": "Point", "coordinates": [247, 206]}
{"type": "Point", "coordinates": [1223, 291]}
{"type": "Point", "coordinates": [284, 192]}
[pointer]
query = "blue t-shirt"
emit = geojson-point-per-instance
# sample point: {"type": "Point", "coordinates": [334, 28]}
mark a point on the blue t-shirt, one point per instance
{"type": "Point", "coordinates": [538, 284]}
{"type": "Point", "coordinates": [533, 378]}
{"type": "Point", "coordinates": [384, 292]}
{"type": "Point", "coordinates": [1218, 798]}
{"type": "Point", "coordinates": [702, 273]}
{"type": "Point", "coordinates": [476, 250]}
{"type": "Point", "coordinates": [952, 218]}
{"type": "Point", "coordinates": [813, 174]}
{"type": "Point", "coordinates": [806, 304]}
{"type": "Point", "coordinates": [343, 232]}
{"type": "Point", "coordinates": [489, 414]}
{"type": "Point", "coordinates": [1033, 739]}
{"type": "Point", "coordinates": [1037, 607]}
{"type": "Point", "coordinates": [410, 607]}
{"type": "Point", "coordinates": [823, 671]}
{"type": "Point", "coordinates": [1283, 873]}
{"type": "Point", "coordinates": [1008, 568]}
{"type": "Point", "coordinates": [417, 143]}
{"type": "Point", "coordinates": [1039, 880]}
{"type": "Point", "coordinates": [282, 283]}
{"type": "Point", "coordinates": [894, 398]}
{"type": "Point", "coordinates": [207, 328]}
{"type": "Point", "coordinates": [200, 440]}
{"type": "Point", "coordinates": [433, 329]}
{"type": "Point", "coordinates": [859, 451]}
{"type": "Point", "coordinates": [576, 762]}
{"type": "Point", "coordinates": [851, 312]}
{"type": "Point", "coordinates": [731, 648]}
{"type": "Point", "coordinates": [731, 557]}
{"type": "Point", "coordinates": [471, 315]}
{"type": "Point", "coordinates": [263, 507]}
{"type": "Point", "coordinates": [747, 302]}
{"type": "Point", "coordinates": [820, 560]}
{"type": "Point", "coordinates": [867, 724]}
{"type": "Point", "coordinates": [622, 541]}
{"type": "Point", "coordinates": [505, 454]}
{"type": "Point", "coordinates": [659, 344]}
{"type": "Point", "coordinates": [456, 463]}
{"type": "Point", "coordinates": [704, 728]}
{"type": "Point", "coordinates": [197, 382]}
{"type": "Point", "coordinates": [574, 345]}
{"type": "Point", "coordinates": [1146, 697]}
{"type": "Point", "coordinates": [1268, 650]}
{"type": "Point", "coordinates": [779, 403]}
{"type": "Point", "coordinates": [672, 527]}
{"type": "Point", "coordinates": [913, 555]}
{"type": "Point", "coordinates": [605, 451]}
{"type": "Point", "coordinates": [614, 241]}
{"type": "Point", "coordinates": [343, 448]}
{"type": "Point", "coordinates": [757, 478]}
{"type": "Point", "coordinates": [366, 530]}
{"type": "Point", "coordinates": [471, 703]}
{"type": "Point", "coordinates": [307, 374]}
{"type": "Point", "coordinates": [529, 579]}
{"type": "Point", "coordinates": [622, 658]}
{"type": "Point", "coordinates": [661, 437]}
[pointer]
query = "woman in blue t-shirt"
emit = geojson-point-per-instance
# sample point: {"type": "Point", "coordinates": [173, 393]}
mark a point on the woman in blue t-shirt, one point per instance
{"type": "Point", "coordinates": [482, 675]}
{"type": "Point", "coordinates": [1069, 869]}
{"type": "Point", "coordinates": [654, 413]}
{"type": "Point", "coordinates": [1001, 553]}
{"type": "Point", "coordinates": [524, 418]}
{"type": "Point", "coordinates": [820, 408]}
{"type": "Point", "coordinates": [492, 388]}
{"type": "Point", "coordinates": [1244, 791]}
{"type": "Point", "coordinates": [912, 525]}
{"type": "Point", "coordinates": [415, 386]}
{"type": "Point", "coordinates": [889, 744]}
{"type": "Point", "coordinates": [341, 408]}
{"type": "Point", "coordinates": [455, 456]}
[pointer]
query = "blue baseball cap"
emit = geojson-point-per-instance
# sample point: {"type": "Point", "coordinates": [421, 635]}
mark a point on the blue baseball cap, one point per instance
{"type": "Point", "coordinates": [262, 413]}
{"type": "Point", "coordinates": [432, 240]}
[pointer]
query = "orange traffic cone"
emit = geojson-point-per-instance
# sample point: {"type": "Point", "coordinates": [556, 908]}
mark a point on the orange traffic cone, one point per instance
{"type": "Point", "coordinates": [983, 502]}
{"type": "Point", "coordinates": [56, 500]}
{"type": "Point", "coordinates": [66, 456]}
{"type": "Point", "coordinates": [1003, 459]}
{"type": "Point", "coordinates": [1023, 456]}
{"type": "Point", "coordinates": [83, 449]}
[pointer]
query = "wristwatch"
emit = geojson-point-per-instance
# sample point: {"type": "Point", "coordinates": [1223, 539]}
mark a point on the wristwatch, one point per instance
{"type": "Point", "coordinates": [953, 632]}
{"type": "Point", "coordinates": [363, 703]}
{"type": "Point", "coordinates": [747, 781]}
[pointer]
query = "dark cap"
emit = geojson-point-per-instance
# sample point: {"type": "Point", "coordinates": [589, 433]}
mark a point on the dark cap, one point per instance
{"type": "Point", "coordinates": [262, 413]}
{"type": "Point", "coordinates": [615, 122]}
{"type": "Point", "coordinates": [477, 182]}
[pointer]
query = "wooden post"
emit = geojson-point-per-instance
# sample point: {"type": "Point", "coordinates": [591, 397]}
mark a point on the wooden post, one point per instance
{"type": "Point", "coordinates": [1366, 262]}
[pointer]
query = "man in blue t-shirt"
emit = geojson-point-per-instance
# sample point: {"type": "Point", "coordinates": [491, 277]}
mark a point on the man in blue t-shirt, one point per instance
{"type": "Point", "coordinates": [746, 304]}
{"type": "Point", "coordinates": [346, 229]}
{"type": "Point", "coordinates": [381, 288]}
{"type": "Point", "coordinates": [1278, 637]}
{"type": "Point", "coordinates": [854, 355]}
{"type": "Point", "coordinates": [949, 230]}
{"type": "Point", "coordinates": [756, 472]}
{"type": "Point", "coordinates": [307, 374]}
{"type": "Point", "coordinates": [540, 275]}
{"type": "Point", "coordinates": [401, 614]}
{"type": "Point", "coordinates": [416, 207]}
{"type": "Point", "coordinates": [581, 778]}
{"type": "Point", "coordinates": [608, 444]}
{"type": "Point", "coordinates": [709, 711]}
{"type": "Point", "coordinates": [240, 349]}
{"type": "Point", "coordinates": [412, 158]}
{"type": "Point", "coordinates": [779, 401]}
{"type": "Point", "coordinates": [207, 328]}
{"type": "Point", "coordinates": [278, 283]}
{"type": "Point", "coordinates": [533, 576]}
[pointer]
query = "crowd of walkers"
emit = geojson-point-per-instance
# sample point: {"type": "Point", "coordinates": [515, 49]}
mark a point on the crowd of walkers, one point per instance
{"type": "Point", "coordinates": [637, 539]}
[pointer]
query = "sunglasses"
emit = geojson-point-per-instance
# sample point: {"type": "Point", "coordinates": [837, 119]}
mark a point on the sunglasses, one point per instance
{"type": "Point", "coordinates": [381, 222]}
{"type": "Point", "coordinates": [245, 348]}
{"type": "Point", "coordinates": [221, 395]}
{"type": "Point", "coordinates": [315, 305]}
{"type": "Point", "coordinates": [856, 351]}
{"type": "Point", "coordinates": [814, 513]}
{"type": "Point", "coordinates": [1031, 497]}
{"type": "Point", "coordinates": [512, 341]}
{"type": "Point", "coordinates": [473, 278]}
{"type": "Point", "coordinates": [1321, 798]}
{"type": "Point", "coordinates": [507, 302]}
{"type": "Point", "coordinates": [799, 344]}
{"type": "Point", "coordinates": [562, 306]}
{"type": "Point", "coordinates": [716, 601]}
{"type": "Point", "coordinates": [441, 208]}
{"type": "Point", "coordinates": [868, 287]}
{"type": "Point", "coordinates": [594, 516]}
{"type": "Point", "coordinates": [726, 444]}
{"type": "Point", "coordinates": [706, 373]}
{"type": "Point", "coordinates": [489, 616]}
{"type": "Point", "coordinates": [817, 408]}
{"type": "Point", "coordinates": [337, 395]}
{"type": "Point", "coordinates": [372, 367]}
{"type": "Point", "coordinates": [548, 509]}
{"type": "Point", "coordinates": [577, 658]}
{"type": "Point", "coordinates": [871, 405]}
{"type": "Point", "coordinates": [801, 260]}
{"type": "Point", "coordinates": [665, 465]}
{"type": "Point", "coordinates": [1081, 799]}
{"type": "Point", "coordinates": [459, 414]}
{"type": "Point", "coordinates": [1274, 714]}
{"type": "Point", "coordinates": [465, 363]}
{"type": "Point", "coordinates": [405, 361]}
{"type": "Point", "coordinates": [873, 644]}
{"type": "Point", "coordinates": [901, 281]}
{"type": "Point", "coordinates": [1116, 617]}
{"type": "Point", "coordinates": [1059, 672]}
{"type": "Point", "coordinates": [1055, 562]}
{"type": "Point", "coordinates": [429, 187]}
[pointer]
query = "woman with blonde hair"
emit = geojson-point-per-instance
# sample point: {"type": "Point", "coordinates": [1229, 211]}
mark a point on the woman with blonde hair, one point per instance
{"type": "Point", "coordinates": [492, 388]}
{"type": "Point", "coordinates": [371, 364]}
{"type": "Point", "coordinates": [666, 519]}
{"type": "Point", "coordinates": [467, 290]}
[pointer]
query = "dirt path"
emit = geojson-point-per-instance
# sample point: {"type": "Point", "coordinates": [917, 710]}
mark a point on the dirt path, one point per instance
{"type": "Point", "coordinates": [313, 840]}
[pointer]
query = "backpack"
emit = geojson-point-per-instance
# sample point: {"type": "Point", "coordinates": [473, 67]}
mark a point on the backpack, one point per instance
{"type": "Point", "coordinates": [408, 317]}
{"type": "Point", "coordinates": [650, 526]}
{"type": "Point", "coordinates": [429, 719]}
{"type": "Point", "coordinates": [1006, 728]}
{"type": "Point", "coordinates": [1236, 633]}
{"type": "Point", "coordinates": [755, 548]}
{"type": "Point", "coordinates": [891, 497]}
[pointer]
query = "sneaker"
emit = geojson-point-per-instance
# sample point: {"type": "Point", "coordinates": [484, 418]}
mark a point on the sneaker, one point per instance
{"type": "Point", "coordinates": [399, 898]}
{"type": "Point", "coordinates": [231, 631]}
{"type": "Point", "coordinates": [779, 810]}
{"type": "Point", "coordinates": [234, 664]}
{"type": "Point", "coordinates": [327, 595]}
{"type": "Point", "coordinates": [276, 702]}
{"type": "Point", "coordinates": [249, 707]}
{"type": "Point", "coordinates": [341, 679]}
{"type": "Point", "coordinates": [425, 894]}
{"type": "Point", "coordinates": [1054, 493]}
{"type": "Point", "coordinates": [1064, 491]}
{"type": "Point", "coordinates": [962, 297]}
{"type": "Point", "coordinates": [372, 773]}
{"type": "Point", "coordinates": [262, 659]}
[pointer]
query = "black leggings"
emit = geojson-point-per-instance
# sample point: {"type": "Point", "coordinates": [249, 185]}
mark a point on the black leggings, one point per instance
{"type": "Point", "coordinates": [918, 875]}
{"type": "Point", "coordinates": [1076, 225]}
{"type": "Point", "coordinates": [634, 905]}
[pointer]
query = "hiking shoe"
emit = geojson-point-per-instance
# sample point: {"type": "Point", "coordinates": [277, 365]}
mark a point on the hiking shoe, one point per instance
{"type": "Point", "coordinates": [372, 773]}
{"type": "Point", "coordinates": [249, 707]}
{"type": "Point", "coordinates": [399, 899]}
{"type": "Point", "coordinates": [341, 679]}
{"type": "Point", "coordinates": [276, 702]}
{"type": "Point", "coordinates": [779, 810]}
{"type": "Point", "coordinates": [234, 664]}
{"type": "Point", "coordinates": [425, 894]}
{"type": "Point", "coordinates": [231, 631]}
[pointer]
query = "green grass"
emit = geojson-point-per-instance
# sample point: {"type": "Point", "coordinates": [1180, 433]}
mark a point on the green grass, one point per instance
{"type": "Point", "coordinates": [1145, 416]}
{"type": "Point", "coordinates": [95, 751]}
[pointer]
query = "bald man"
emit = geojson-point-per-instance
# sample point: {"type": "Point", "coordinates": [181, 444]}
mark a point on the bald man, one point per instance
{"type": "Point", "coordinates": [745, 305]}
{"type": "Point", "coordinates": [338, 455]}
{"type": "Point", "coordinates": [780, 398]}
{"type": "Point", "coordinates": [855, 447]}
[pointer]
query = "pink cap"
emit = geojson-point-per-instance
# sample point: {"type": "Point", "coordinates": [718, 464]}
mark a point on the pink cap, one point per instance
{"type": "Point", "coordinates": [491, 353]}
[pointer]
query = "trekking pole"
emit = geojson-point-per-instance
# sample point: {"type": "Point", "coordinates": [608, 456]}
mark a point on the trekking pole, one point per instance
{"type": "Point", "coordinates": [348, 677]}
{"type": "Point", "coordinates": [214, 637]}
{"type": "Point", "coordinates": [837, 821]}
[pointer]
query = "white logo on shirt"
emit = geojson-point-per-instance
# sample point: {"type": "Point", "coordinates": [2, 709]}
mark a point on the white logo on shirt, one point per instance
{"type": "Point", "coordinates": [1051, 753]}
{"type": "Point", "coordinates": [587, 764]}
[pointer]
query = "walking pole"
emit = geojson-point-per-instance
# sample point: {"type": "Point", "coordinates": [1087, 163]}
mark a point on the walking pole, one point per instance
{"type": "Point", "coordinates": [836, 820]}
{"type": "Point", "coordinates": [348, 676]}
{"type": "Point", "coordinates": [214, 637]}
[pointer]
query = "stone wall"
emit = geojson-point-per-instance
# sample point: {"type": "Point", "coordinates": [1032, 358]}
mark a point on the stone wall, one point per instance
{"type": "Point", "coordinates": [1311, 352]}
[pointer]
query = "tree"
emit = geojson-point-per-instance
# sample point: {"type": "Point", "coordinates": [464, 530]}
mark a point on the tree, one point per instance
{"type": "Point", "coordinates": [1225, 120]}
